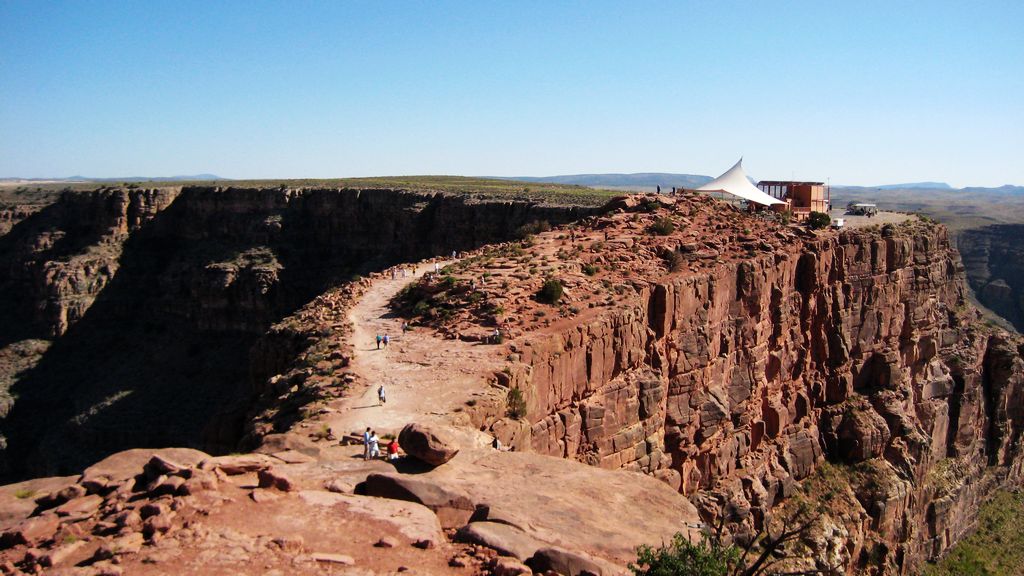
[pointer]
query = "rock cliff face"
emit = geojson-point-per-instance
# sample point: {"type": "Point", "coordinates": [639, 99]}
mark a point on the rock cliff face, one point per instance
{"type": "Point", "coordinates": [995, 268]}
{"type": "Point", "coordinates": [60, 258]}
{"type": "Point", "coordinates": [732, 384]}
{"type": "Point", "coordinates": [154, 297]}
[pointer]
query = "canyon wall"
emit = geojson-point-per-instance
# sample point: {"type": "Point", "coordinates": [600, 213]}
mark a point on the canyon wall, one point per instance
{"type": "Point", "coordinates": [850, 355]}
{"type": "Point", "coordinates": [148, 302]}
{"type": "Point", "coordinates": [994, 258]}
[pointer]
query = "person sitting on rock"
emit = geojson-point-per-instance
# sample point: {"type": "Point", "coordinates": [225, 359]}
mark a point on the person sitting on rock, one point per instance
{"type": "Point", "coordinates": [393, 449]}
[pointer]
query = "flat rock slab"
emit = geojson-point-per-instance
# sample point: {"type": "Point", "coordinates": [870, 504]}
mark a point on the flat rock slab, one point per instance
{"type": "Point", "coordinates": [241, 464]}
{"type": "Point", "coordinates": [17, 501]}
{"type": "Point", "coordinates": [293, 457]}
{"type": "Point", "coordinates": [567, 504]}
{"type": "Point", "coordinates": [333, 558]}
{"type": "Point", "coordinates": [82, 507]}
{"type": "Point", "coordinates": [414, 521]}
{"type": "Point", "coordinates": [507, 540]}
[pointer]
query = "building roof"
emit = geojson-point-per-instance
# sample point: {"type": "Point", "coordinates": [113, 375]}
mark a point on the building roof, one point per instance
{"type": "Point", "coordinates": [788, 183]}
{"type": "Point", "coordinates": [735, 182]}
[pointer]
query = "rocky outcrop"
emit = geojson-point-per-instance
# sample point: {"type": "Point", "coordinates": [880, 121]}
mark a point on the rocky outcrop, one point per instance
{"type": "Point", "coordinates": [994, 261]}
{"type": "Point", "coordinates": [736, 381]}
{"type": "Point", "coordinates": [155, 298]}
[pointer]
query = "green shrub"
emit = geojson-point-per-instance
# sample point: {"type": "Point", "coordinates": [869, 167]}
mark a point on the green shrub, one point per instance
{"type": "Point", "coordinates": [818, 220]}
{"type": "Point", "coordinates": [550, 292]}
{"type": "Point", "coordinates": [663, 227]}
{"type": "Point", "coordinates": [515, 403]}
{"type": "Point", "coordinates": [684, 558]}
{"type": "Point", "coordinates": [590, 269]}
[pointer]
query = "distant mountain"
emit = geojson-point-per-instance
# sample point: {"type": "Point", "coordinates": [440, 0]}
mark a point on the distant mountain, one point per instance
{"type": "Point", "coordinates": [150, 178]}
{"type": "Point", "coordinates": [1004, 189]}
{"type": "Point", "coordinates": [121, 179]}
{"type": "Point", "coordinates": [638, 180]}
{"type": "Point", "coordinates": [914, 185]}
{"type": "Point", "coordinates": [925, 187]}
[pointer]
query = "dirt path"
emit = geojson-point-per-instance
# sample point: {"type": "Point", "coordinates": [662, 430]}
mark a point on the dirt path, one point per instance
{"type": "Point", "coordinates": [425, 377]}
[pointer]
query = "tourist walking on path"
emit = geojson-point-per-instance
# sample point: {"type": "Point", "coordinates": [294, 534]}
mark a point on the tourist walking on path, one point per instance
{"type": "Point", "coordinates": [374, 445]}
{"type": "Point", "coordinates": [387, 340]}
{"type": "Point", "coordinates": [381, 397]}
{"type": "Point", "coordinates": [379, 340]}
{"type": "Point", "coordinates": [366, 444]}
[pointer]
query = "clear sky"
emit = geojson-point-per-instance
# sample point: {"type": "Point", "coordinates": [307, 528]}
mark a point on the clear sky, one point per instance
{"type": "Point", "coordinates": [859, 92]}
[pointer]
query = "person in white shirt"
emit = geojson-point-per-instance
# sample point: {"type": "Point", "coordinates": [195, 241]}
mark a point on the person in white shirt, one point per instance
{"type": "Point", "coordinates": [374, 445]}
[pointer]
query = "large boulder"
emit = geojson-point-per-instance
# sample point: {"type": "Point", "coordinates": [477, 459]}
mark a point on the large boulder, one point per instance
{"type": "Point", "coordinates": [433, 445]}
{"type": "Point", "coordinates": [452, 506]}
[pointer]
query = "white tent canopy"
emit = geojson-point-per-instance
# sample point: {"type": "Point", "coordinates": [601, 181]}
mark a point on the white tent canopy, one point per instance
{"type": "Point", "coordinates": [735, 182]}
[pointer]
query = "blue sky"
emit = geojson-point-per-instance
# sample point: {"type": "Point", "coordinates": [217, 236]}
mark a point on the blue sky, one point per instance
{"type": "Point", "coordinates": [859, 92]}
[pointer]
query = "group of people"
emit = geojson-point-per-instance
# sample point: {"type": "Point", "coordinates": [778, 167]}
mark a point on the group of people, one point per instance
{"type": "Point", "coordinates": [371, 446]}
{"type": "Point", "coordinates": [403, 272]}
{"type": "Point", "coordinates": [383, 339]}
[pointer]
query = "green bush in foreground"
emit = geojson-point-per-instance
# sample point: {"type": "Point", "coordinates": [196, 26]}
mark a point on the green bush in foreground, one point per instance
{"type": "Point", "coordinates": [684, 558]}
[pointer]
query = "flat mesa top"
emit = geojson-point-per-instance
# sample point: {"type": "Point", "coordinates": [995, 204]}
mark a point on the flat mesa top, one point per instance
{"type": "Point", "coordinates": [556, 194]}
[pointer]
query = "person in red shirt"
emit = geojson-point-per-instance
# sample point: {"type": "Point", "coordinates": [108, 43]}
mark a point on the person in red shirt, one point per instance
{"type": "Point", "coordinates": [393, 449]}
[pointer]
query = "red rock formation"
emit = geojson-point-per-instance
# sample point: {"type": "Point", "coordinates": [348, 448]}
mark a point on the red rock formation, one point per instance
{"type": "Point", "coordinates": [735, 382]}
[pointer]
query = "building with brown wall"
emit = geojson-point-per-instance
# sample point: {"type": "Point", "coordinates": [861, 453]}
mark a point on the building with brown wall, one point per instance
{"type": "Point", "coordinates": [802, 198]}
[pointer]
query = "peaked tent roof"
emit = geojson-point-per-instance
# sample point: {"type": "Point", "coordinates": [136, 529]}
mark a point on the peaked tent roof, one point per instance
{"type": "Point", "coordinates": [735, 182]}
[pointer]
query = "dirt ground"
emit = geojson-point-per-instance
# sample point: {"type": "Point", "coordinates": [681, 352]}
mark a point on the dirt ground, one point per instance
{"type": "Point", "coordinates": [425, 377]}
{"type": "Point", "coordinates": [879, 219]}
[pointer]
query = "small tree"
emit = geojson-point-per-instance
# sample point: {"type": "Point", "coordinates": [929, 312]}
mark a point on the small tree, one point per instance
{"type": "Point", "coordinates": [684, 558]}
{"type": "Point", "coordinates": [818, 220]}
{"type": "Point", "coordinates": [515, 403]}
{"type": "Point", "coordinates": [713, 557]}
{"type": "Point", "coordinates": [550, 292]}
